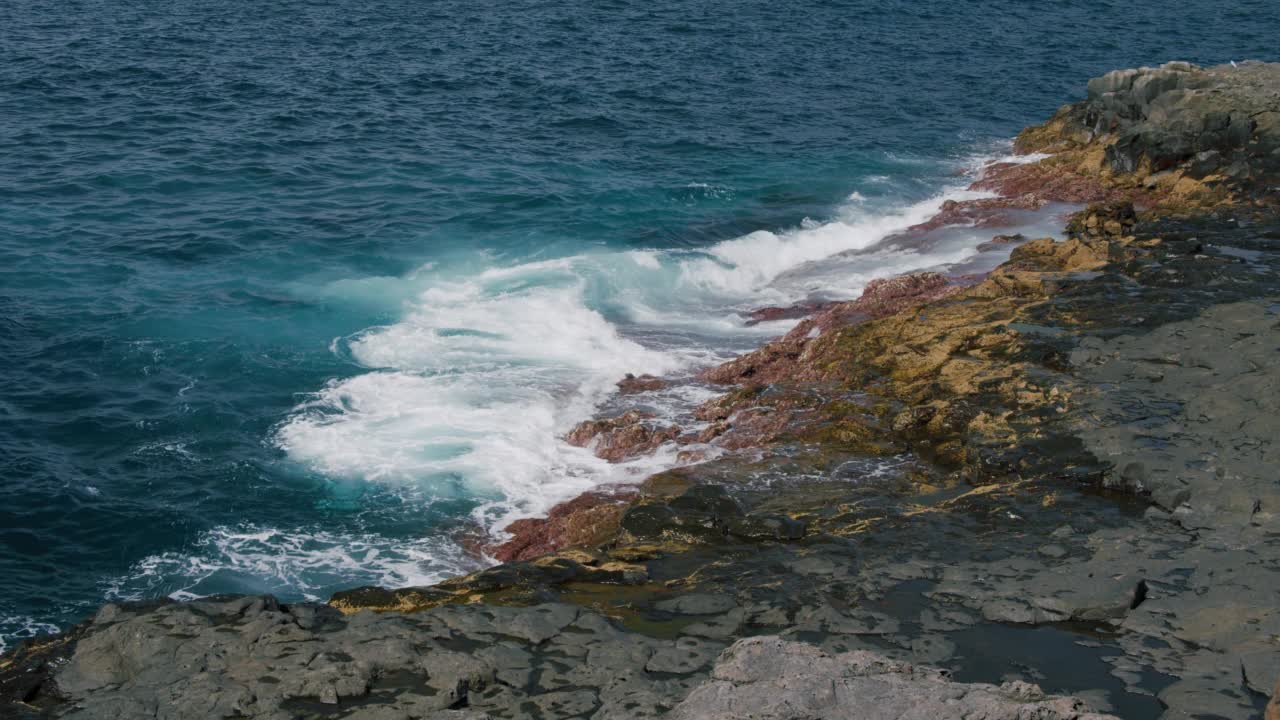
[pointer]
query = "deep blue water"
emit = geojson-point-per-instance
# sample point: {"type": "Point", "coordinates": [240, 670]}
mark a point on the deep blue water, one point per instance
{"type": "Point", "coordinates": [289, 290]}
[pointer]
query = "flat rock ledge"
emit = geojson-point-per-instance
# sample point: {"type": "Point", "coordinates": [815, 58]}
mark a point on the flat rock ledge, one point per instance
{"type": "Point", "coordinates": [768, 678]}
{"type": "Point", "coordinates": [240, 657]}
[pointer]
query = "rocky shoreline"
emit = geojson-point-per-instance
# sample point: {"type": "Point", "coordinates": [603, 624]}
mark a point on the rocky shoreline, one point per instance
{"type": "Point", "coordinates": [1058, 475]}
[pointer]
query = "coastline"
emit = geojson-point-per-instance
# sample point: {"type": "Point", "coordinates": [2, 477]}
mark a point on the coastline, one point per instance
{"type": "Point", "coordinates": [1034, 494]}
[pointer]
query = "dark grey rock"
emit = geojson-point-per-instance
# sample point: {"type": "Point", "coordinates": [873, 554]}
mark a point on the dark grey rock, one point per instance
{"type": "Point", "coordinates": [766, 526]}
{"type": "Point", "coordinates": [767, 678]}
{"type": "Point", "coordinates": [697, 604]}
{"type": "Point", "coordinates": [687, 655]}
{"type": "Point", "coordinates": [1183, 115]}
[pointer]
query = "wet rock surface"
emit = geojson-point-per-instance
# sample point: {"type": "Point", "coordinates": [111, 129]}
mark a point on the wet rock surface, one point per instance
{"type": "Point", "coordinates": [585, 521]}
{"type": "Point", "coordinates": [616, 439]}
{"type": "Point", "coordinates": [633, 384]}
{"type": "Point", "coordinates": [883, 297]}
{"type": "Point", "coordinates": [1056, 483]}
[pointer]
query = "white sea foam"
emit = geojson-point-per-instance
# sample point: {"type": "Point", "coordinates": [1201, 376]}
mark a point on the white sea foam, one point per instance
{"type": "Point", "coordinates": [645, 258]}
{"type": "Point", "coordinates": [473, 390]}
{"type": "Point", "coordinates": [470, 393]}
{"type": "Point", "coordinates": [291, 563]}
{"type": "Point", "coordinates": [16, 628]}
{"type": "Point", "coordinates": [1026, 159]}
{"type": "Point", "coordinates": [745, 267]}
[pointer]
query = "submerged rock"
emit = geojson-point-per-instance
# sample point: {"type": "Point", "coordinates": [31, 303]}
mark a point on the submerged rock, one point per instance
{"type": "Point", "coordinates": [982, 212]}
{"type": "Point", "coordinates": [791, 312]}
{"type": "Point", "coordinates": [1002, 240]}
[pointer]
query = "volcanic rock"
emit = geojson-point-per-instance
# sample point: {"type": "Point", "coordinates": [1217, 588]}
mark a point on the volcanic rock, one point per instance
{"type": "Point", "coordinates": [585, 521]}
{"type": "Point", "coordinates": [982, 212]}
{"type": "Point", "coordinates": [623, 437]}
{"type": "Point", "coordinates": [882, 297]}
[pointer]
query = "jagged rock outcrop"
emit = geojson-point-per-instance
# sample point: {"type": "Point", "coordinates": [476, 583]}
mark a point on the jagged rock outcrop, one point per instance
{"type": "Point", "coordinates": [626, 436]}
{"type": "Point", "coordinates": [587, 520]}
{"type": "Point", "coordinates": [1223, 119]}
{"type": "Point", "coordinates": [881, 298]}
{"type": "Point", "coordinates": [1176, 135]}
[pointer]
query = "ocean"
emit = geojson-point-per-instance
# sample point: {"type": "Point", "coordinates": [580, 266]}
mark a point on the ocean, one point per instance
{"type": "Point", "coordinates": [293, 294]}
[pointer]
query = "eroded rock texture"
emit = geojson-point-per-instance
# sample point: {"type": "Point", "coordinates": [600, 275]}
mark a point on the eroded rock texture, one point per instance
{"type": "Point", "coordinates": [252, 657]}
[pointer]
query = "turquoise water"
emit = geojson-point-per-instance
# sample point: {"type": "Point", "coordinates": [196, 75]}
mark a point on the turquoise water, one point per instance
{"type": "Point", "coordinates": [290, 292]}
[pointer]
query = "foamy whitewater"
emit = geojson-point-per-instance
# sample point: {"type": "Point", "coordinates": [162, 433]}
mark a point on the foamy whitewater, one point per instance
{"type": "Point", "coordinates": [473, 390]}
{"type": "Point", "coordinates": [469, 395]}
